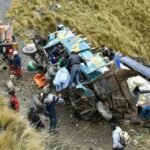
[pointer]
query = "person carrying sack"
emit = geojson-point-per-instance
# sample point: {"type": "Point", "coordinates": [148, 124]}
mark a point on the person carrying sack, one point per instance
{"type": "Point", "coordinates": [120, 138]}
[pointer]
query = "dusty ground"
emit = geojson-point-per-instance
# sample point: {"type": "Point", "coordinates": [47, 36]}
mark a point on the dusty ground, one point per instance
{"type": "Point", "coordinates": [4, 6]}
{"type": "Point", "coordinates": [73, 133]}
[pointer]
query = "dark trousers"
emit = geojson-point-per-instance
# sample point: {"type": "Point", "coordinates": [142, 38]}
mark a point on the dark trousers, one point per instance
{"type": "Point", "coordinates": [53, 123]}
{"type": "Point", "coordinates": [119, 148]}
{"type": "Point", "coordinates": [75, 74]}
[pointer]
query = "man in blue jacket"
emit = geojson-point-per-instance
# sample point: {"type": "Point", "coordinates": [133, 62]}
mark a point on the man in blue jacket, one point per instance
{"type": "Point", "coordinates": [17, 65]}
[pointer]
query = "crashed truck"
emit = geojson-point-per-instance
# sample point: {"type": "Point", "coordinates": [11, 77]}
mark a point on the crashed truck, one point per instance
{"type": "Point", "coordinates": [105, 92]}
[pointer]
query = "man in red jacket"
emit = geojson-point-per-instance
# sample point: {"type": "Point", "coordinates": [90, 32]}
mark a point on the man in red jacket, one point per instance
{"type": "Point", "coordinates": [13, 101]}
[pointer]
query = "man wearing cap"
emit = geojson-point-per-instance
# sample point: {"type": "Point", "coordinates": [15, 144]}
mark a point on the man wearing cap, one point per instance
{"type": "Point", "coordinates": [50, 109]}
{"type": "Point", "coordinates": [74, 64]}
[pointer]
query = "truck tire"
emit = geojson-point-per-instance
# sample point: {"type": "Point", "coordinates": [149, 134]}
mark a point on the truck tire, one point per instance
{"type": "Point", "coordinates": [103, 110]}
{"type": "Point", "coordinates": [30, 49]}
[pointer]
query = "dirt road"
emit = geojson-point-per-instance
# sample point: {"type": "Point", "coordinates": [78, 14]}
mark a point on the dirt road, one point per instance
{"type": "Point", "coordinates": [4, 6]}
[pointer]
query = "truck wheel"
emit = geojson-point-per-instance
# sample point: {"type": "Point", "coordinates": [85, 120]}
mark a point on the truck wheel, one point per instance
{"type": "Point", "coordinates": [30, 49]}
{"type": "Point", "coordinates": [103, 110]}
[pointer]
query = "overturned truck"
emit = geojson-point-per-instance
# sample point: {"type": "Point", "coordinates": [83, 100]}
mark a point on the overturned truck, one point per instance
{"type": "Point", "coordinates": [104, 91]}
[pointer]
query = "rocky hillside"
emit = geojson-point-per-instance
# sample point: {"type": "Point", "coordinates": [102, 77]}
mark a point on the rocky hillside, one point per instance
{"type": "Point", "coordinates": [120, 24]}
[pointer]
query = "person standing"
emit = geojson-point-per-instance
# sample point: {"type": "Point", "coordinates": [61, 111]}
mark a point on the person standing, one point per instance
{"type": "Point", "coordinates": [13, 101]}
{"type": "Point", "coordinates": [50, 110]}
{"type": "Point", "coordinates": [74, 64]}
{"type": "Point", "coordinates": [17, 65]}
{"type": "Point", "coordinates": [116, 137]}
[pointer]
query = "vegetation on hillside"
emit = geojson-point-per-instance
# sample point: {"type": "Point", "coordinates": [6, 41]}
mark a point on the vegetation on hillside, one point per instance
{"type": "Point", "coordinates": [120, 24]}
{"type": "Point", "coordinates": [15, 131]}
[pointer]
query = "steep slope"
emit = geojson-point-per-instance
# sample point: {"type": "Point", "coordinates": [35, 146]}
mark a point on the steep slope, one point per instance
{"type": "Point", "coordinates": [120, 24]}
{"type": "Point", "coordinates": [15, 131]}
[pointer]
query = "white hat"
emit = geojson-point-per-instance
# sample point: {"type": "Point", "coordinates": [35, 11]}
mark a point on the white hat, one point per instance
{"type": "Point", "coordinates": [49, 98]}
{"type": "Point", "coordinates": [15, 52]}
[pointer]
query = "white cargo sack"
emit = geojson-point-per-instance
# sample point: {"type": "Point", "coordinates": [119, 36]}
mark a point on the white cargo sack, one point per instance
{"type": "Point", "coordinates": [124, 138]}
{"type": "Point", "coordinates": [61, 79]}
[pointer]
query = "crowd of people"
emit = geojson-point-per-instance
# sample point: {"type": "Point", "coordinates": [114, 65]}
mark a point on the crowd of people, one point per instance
{"type": "Point", "coordinates": [69, 72]}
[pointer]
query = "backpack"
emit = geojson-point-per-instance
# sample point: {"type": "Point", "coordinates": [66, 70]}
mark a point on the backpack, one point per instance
{"type": "Point", "coordinates": [124, 138]}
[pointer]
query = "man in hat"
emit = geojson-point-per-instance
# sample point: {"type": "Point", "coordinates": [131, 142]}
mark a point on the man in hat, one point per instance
{"type": "Point", "coordinates": [50, 110]}
{"type": "Point", "coordinates": [74, 64]}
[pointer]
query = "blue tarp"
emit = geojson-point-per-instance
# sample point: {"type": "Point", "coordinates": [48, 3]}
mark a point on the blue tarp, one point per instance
{"type": "Point", "coordinates": [141, 69]}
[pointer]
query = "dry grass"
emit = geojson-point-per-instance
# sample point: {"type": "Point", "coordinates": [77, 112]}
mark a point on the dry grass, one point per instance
{"type": "Point", "coordinates": [121, 24]}
{"type": "Point", "coordinates": [16, 133]}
